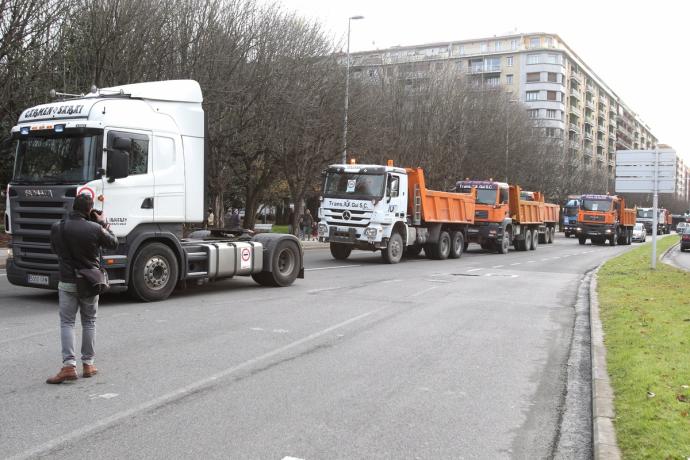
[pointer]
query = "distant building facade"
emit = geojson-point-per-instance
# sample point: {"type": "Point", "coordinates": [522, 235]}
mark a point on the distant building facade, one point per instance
{"type": "Point", "coordinates": [561, 92]}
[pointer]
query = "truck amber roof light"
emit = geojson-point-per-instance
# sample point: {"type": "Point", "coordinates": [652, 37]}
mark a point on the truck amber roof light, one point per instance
{"type": "Point", "coordinates": [390, 162]}
{"type": "Point", "coordinates": [353, 161]}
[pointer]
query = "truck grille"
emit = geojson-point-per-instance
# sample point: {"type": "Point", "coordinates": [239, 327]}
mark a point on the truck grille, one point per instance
{"type": "Point", "coordinates": [32, 217]}
{"type": "Point", "coordinates": [356, 218]}
{"type": "Point", "coordinates": [594, 217]}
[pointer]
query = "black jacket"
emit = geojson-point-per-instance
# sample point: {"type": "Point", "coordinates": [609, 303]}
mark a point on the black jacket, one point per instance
{"type": "Point", "coordinates": [80, 245]}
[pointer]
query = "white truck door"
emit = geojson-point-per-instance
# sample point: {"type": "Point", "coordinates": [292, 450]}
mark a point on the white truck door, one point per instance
{"type": "Point", "coordinates": [169, 180]}
{"type": "Point", "coordinates": [397, 194]}
{"type": "Point", "coordinates": [129, 201]}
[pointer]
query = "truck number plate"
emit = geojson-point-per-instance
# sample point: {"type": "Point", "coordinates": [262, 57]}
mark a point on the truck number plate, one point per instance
{"type": "Point", "coordinates": [43, 280]}
{"type": "Point", "coordinates": [343, 229]}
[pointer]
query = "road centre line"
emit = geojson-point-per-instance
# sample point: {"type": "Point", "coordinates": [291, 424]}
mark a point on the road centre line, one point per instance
{"type": "Point", "coordinates": [331, 268]}
{"type": "Point", "coordinates": [473, 269]}
{"type": "Point", "coordinates": [180, 393]}
{"type": "Point", "coordinates": [516, 263]}
{"type": "Point", "coordinates": [424, 291]}
{"type": "Point", "coordinates": [498, 266]}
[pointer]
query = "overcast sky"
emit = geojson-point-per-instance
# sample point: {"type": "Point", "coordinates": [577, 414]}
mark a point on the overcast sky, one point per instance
{"type": "Point", "coordinates": [638, 48]}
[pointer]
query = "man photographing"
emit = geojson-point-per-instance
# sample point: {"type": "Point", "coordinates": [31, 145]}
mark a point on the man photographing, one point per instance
{"type": "Point", "coordinates": [77, 241]}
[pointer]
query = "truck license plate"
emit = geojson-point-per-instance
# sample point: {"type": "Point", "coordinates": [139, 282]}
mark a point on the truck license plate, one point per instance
{"type": "Point", "coordinates": [343, 229]}
{"type": "Point", "coordinates": [43, 280]}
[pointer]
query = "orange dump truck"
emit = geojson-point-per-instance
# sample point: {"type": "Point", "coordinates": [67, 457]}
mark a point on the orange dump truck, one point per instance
{"type": "Point", "coordinates": [388, 208]}
{"type": "Point", "coordinates": [605, 218]}
{"type": "Point", "coordinates": [506, 217]}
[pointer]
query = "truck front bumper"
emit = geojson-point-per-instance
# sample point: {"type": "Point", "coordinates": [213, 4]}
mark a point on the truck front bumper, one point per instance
{"type": "Point", "coordinates": [594, 230]}
{"type": "Point", "coordinates": [20, 276]}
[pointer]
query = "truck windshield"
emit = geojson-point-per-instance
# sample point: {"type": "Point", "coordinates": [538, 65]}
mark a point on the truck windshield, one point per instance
{"type": "Point", "coordinates": [596, 205]}
{"type": "Point", "coordinates": [571, 211]}
{"type": "Point", "coordinates": [644, 213]}
{"type": "Point", "coordinates": [57, 160]}
{"type": "Point", "coordinates": [354, 185]}
{"type": "Point", "coordinates": [484, 195]}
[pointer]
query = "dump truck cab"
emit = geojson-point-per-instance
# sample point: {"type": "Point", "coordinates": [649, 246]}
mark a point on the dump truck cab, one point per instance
{"type": "Point", "coordinates": [604, 217]}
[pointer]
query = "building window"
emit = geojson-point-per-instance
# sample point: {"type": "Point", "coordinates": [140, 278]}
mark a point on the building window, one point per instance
{"type": "Point", "coordinates": [552, 95]}
{"type": "Point", "coordinates": [554, 132]}
{"type": "Point", "coordinates": [534, 42]}
{"type": "Point", "coordinates": [553, 77]}
{"type": "Point", "coordinates": [533, 113]}
{"type": "Point", "coordinates": [553, 58]}
{"type": "Point", "coordinates": [533, 76]}
{"type": "Point", "coordinates": [532, 96]}
{"type": "Point", "coordinates": [549, 42]}
{"type": "Point", "coordinates": [461, 50]}
{"type": "Point", "coordinates": [553, 114]}
{"type": "Point", "coordinates": [492, 64]}
{"type": "Point", "coordinates": [483, 47]}
{"type": "Point", "coordinates": [493, 81]}
{"type": "Point", "coordinates": [514, 44]}
{"type": "Point", "coordinates": [509, 79]}
{"type": "Point", "coordinates": [533, 58]}
{"type": "Point", "coordinates": [497, 46]}
{"type": "Point", "coordinates": [509, 61]}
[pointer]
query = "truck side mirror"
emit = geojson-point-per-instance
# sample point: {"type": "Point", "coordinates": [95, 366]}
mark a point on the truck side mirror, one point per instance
{"type": "Point", "coordinates": [117, 164]}
{"type": "Point", "coordinates": [122, 143]}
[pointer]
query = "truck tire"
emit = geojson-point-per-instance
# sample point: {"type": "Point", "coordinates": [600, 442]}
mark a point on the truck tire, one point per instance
{"type": "Point", "coordinates": [286, 262]}
{"type": "Point", "coordinates": [552, 235]}
{"type": "Point", "coordinates": [582, 239]}
{"type": "Point", "coordinates": [457, 244]}
{"type": "Point", "coordinates": [393, 252]}
{"type": "Point", "coordinates": [528, 240]}
{"type": "Point", "coordinates": [465, 246]}
{"type": "Point", "coordinates": [535, 240]}
{"type": "Point", "coordinates": [629, 240]}
{"type": "Point", "coordinates": [340, 251]}
{"type": "Point", "coordinates": [543, 237]}
{"type": "Point", "coordinates": [613, 239]}
{"type": "Point", "coordinates": [154, 273]}
{"type": "Point", "coordinates": [441, 249]}
{"type": "Point", "coordinates": [504, 247]}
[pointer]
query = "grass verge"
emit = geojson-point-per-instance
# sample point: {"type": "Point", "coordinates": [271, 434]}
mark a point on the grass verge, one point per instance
{"type": "Point", "coordinates": [279, 229]}
{"type": "Point", "coordinates": [646, 320]}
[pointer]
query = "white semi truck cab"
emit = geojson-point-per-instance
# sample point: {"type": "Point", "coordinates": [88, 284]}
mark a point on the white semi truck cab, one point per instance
{"type": "Point", "coordinates": [139, 150]}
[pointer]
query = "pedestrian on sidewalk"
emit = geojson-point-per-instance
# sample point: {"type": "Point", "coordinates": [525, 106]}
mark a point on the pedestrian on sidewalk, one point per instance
{"type": "Point", "coordinates": [307, 221]}
{"type": "Point", "coordinates": [77, 241]}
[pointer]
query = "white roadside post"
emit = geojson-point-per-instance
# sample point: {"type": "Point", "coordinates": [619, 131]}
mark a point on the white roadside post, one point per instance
{"type": "Point", "coordinates": [655, 206]}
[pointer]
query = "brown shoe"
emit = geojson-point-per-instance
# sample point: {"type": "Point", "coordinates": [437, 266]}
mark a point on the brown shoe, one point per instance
{"type": "Point", "coordinates": [90, 370]}
{"type": "Point", "coordinates": [66, 373]}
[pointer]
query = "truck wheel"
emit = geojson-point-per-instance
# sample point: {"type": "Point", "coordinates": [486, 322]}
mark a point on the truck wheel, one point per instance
{"type": "Point", "coordinates": [543, 237]}
{"type": "Point", "coordinates": [457, 243]}
{"type": "Point", "coordinates": [535, 239]}
{"type": "Point", "coordinates": [613, 240]}
{"type": "Point", "coordinates": [340, 251]}
{"type": "Point", "coordinates": [285, 265]}
{"type": "Point", "coordinates": [552, 235]}
{"type": "Point", "coordinates": [582, 239]}
{"type": "Point", "coordinates": [394, 251]}
{"type": "Point", "coordinates": [154, 273]}
{"type": "Point", "coordinates": [629, 240]}
{"type": "Point", "coordinates": [414, 250]}
{"type": "Point", "coordinates": [504, 247]}
{"type": "Point", "coordinates": [442, 246]}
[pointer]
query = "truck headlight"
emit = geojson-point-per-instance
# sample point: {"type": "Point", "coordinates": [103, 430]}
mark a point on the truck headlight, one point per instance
{"type": "Point", "coordinates": [608, 230]}
{"type": "Point", "coordinates": [323, 229]}
{"type": "Point", "coordinates": [578, 229]}
{"type": "Point", "coordinates": [371, 232]}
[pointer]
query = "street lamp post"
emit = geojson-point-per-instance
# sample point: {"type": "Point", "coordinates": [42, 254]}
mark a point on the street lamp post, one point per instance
{"type": "Point", "coordinates": [347, 87]}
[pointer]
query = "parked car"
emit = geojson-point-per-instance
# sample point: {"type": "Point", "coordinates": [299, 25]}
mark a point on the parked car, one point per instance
{"type": "Point", "coordinates": [685, 239]}
{"type": "Point", "coordinates": [681, 226]}
{"type": "Point", "coordinates": [639, 233]}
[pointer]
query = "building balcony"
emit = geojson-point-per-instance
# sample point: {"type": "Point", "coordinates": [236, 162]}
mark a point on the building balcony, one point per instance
{"type": "Point", "coordinates": [574, 128]}
{"type": "Point", "coordinates": [589, 120]}
{"type": "Point", "coordinates": [484, 69]}
{"type": "Point", "coordinates": [576, 94]}
{"type": "Point", "coordinates": [575, 110]}
{"type": "Point", "coordinates": [601, 128]}
{"type": "Point", "coordinates": [575, 76]}
{"type": "Point", "coordinates": [589, 104]}
{"type": "Point", "coordinates": [601, 143]}
{"type": "Point", "coordinates": [590, 89]}
{"type": "Point", "coordinates": [588, 136]}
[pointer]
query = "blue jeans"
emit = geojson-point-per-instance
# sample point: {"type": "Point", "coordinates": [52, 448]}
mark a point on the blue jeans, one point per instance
{"type": "Point", "coordinates": [70, 303]}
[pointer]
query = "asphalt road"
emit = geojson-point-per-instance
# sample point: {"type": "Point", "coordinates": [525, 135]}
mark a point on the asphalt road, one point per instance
{"type": "Point", "coordinates": [481, 357]}
{"type": "Point", "coordinates": [678, 258]}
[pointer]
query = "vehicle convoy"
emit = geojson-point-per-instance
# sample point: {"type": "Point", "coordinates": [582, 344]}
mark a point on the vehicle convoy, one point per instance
{"type": "Point", "coordinates": [140, 151]}
{"type": "Point", "coordinates": [570, 210]}
{"type": "Point", "coordinates": [645, 216]}
{"type": "Point", "coordinates": [389, 208]}
{"type": "Point", "coordinates": [605, 217]}
{"type": "Point", "coordinates": [506, 216]}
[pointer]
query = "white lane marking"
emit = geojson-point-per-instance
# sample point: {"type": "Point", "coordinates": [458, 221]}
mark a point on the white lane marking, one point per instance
{"type": "Point", "coordinates": [424, 291]}
{"type": "Point", "coordinates": [28, 336]}
{"type": "Point", "coordinates": [531, 261]}
{"type": "Point", "coordinates": [498, 266]}
{"type": "Point", "coordinates": [99, 425]}
{"type": "Point", "coordinates": [544, 260]}
{"type": "Point", "coordinates": [291, 458]}
{"type": "Point", "coordinates": [256, 329]}
{"type": "Point", "coordinates": [502, 275]}
{"type": "Point", "coordinates": [330, 268]}
{"type": "Point", "coordinates": [557, 257]}
{"type": "Point", "coordinates": [104, 396]}
{"type": "Point", "coordinates": [280, 331]}
{"type": "Point", "coordinates": [473, 269]}
{"type": "Point", "coordinates": [516, 263]}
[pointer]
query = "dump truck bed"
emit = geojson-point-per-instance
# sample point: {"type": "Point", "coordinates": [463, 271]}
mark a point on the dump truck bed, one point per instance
{"type": "Point", "coordinates": [522, 211]}
{"type": "Point", "coordinates": [435, 206]}
{"type": "Point", "coordinates": [550, 213]}
{"type": "Point", "coordinates": [628, 217]}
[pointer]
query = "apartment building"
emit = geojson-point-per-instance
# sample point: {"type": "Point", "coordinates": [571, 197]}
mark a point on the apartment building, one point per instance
{"type": "Point", "coordinates": [562, 94]}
